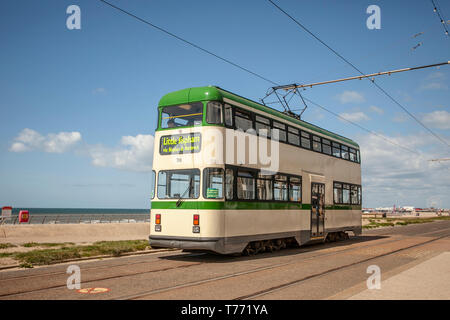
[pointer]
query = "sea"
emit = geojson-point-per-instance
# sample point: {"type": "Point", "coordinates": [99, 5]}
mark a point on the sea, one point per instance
{"type": "Point", "coordinates": [79, 215]}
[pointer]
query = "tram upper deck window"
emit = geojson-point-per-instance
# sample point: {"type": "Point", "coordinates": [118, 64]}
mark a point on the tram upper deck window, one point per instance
{"type": "Point", "coordinates": [228, 115]}
{"type": "Point", "coordinates": [306, 142]}
{"type": "Point", "coordinates": [243, 120]}
{"type": "Point", "coordinates": [281, 127]}
{"type": "Point", "coordinates": [316, 144]}
{"type": "Point", "coordinates": [293, 136]}
{"type": "Point", "coordinates": [344, 152]}
{"type": "Point", "coordinates": [262, 126]}
{"type": "Point", "coordinates": [352, 153]}
{"type": "Point", "coordinates": [214, 112]}
{"type": "Point", "coordinates": [336, 149]}
{"type": "Point", "coordinates": [183, 115]}
{"type": "Point", "coordinates": [179, 184]}
{"type": "Point", "coordinates": [326, 146]}
{"type": "Point", "coordinates": [245, 185]}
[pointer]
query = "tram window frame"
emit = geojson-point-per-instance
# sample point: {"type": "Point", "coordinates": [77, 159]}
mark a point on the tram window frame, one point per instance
{"type": "Point", "coordinates": [281, 127]}
{"type": "Point", "coordinates": [251, 175]}
{"type": "Point", "coordinates": [228, 115]}
{"type": "Point", "coordinates": [219, 106]}
{"type": "Point", "coordinates": [298, 183]}
{"type": "Point", "coordinates": [167, 186]}
{"type": "Point", "coordinates": [339, 186]}
{"type": "Point", "coordinates": [346, 193]}
{"type": "Point", "coordinates": [287, 133]}
{"type": "Point", "coordinates": [174, 116]}
{"type": "Point", "coordinates": [337, 193]}
{"type": "Point", "coordinates": [335, 148]}
{"type": "Point", "coordinates": [354, 196]}
{"type": "Point", "coordinates": [316, 141]}
{"type": "Point", "coordinates": [264, 178]}
{"type": "Point", "coordinates": [352, 154]}
{"type": "Point", "coordinates": [305, 136]}
{"type": "Point", "coordinates": [344, 152]}
{"type": "Point", "coordinates": [283, 180]}
{"type": "Point", "coordinates": [265, 124]}
{"type": "Point", "coordinates": [326, 142]}
{"type": "Point", "coordinates": [227, 184]}
{"type": "Point", "coordinates": [207, 182]}
{"type": "Point", "coordinates": [293, 132]}
{"type": "Point", "coordinates": [153, 184]}
{"type": "Point", "coordinates": [237, 114]}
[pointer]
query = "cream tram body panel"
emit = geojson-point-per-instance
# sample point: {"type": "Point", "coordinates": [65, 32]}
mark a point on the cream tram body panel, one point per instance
{"type": "Point", "coordinates": [221, 223]}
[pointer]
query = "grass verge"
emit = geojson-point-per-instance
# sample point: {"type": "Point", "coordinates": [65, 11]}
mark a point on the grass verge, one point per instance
{"type": "Point", "coordinates": [392, 222]}
{"type": "Point", "coordinates": [51, 256]}
{"type": "Point", "coordinates": [7, 245]}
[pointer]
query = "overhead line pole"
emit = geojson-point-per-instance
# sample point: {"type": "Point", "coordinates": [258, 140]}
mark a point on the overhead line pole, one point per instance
{"type": "Point", "coordinates": [294, 86]}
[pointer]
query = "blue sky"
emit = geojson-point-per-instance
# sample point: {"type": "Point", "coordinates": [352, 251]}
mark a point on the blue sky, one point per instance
{"type": "Point", "coordinates": [78, 107]}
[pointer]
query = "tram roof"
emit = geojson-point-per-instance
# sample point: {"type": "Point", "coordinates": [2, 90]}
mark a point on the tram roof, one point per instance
{"type": "Point", "coordinates": [216, 93]}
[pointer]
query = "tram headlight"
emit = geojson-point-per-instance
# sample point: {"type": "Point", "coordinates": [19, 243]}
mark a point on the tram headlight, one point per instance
{"type": "Point", "coordinates": [196, 229]}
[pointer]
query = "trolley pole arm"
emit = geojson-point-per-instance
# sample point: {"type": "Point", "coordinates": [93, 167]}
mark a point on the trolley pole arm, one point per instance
{"type": "Point", "coordinates": [294, 86]}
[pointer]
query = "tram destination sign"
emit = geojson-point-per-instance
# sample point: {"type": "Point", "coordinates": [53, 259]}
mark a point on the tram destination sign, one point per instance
{"type": "Point", "coordinates": [180, 143]}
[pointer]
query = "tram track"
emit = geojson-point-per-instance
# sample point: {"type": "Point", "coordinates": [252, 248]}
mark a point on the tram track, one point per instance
{"type": "Point", "coordinates": [194, 283]}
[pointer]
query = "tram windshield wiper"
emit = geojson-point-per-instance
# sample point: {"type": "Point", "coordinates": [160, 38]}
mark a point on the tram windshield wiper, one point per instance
{"type": "Point", "coordinates": [180, 199]}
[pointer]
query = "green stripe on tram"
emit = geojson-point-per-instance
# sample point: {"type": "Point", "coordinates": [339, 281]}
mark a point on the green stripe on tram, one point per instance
{"type": "Point", "coordinates": [243, 205]}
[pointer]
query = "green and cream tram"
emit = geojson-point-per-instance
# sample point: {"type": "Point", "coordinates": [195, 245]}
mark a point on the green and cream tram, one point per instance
{"type": "Point", "coordinates": [231, 175]}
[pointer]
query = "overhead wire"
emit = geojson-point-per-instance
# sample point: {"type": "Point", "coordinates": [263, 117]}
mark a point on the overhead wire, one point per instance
{"type": "Point", "coordinates": [186, 41]}
{"type": "Point", "coordinates": [251, 72]}
{"type": "Point", "coordinates": [438, 11]}
{"type": "Point", "coordinates": [357, 69]}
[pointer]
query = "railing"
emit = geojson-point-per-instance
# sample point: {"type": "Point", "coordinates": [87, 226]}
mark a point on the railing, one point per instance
{"type": "Point", "coordinates": [76, 219]}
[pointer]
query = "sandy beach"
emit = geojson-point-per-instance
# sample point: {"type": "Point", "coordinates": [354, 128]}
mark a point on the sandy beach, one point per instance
{"type": "Point", "coordinates": [77, 233]}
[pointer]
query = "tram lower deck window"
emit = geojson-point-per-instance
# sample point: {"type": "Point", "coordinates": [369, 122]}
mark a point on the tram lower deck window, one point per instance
{"type": "Point", "coordinates": [245, 185]}
{"type": "Point", "coordinates": [213, 181]}
{"type": "Point", "coordinates": [179, 184]}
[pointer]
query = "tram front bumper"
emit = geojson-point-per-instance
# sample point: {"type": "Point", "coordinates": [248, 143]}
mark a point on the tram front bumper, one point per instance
{"type": "Point", "coordinates": [190, 243]}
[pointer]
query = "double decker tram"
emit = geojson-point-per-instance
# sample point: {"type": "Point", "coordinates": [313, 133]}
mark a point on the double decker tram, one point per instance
{"type": "Point", "coordinates": [231, 175]}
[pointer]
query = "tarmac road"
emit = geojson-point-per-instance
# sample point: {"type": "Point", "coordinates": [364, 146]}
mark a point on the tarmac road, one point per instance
{"type": "Point", "coordinates": [413, 260]}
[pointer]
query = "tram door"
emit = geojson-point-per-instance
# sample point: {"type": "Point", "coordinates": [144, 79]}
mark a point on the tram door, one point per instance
{"type": "Point", "coordinates": [317, 209]}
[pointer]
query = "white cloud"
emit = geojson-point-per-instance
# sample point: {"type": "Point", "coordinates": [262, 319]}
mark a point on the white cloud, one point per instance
{"type": "Point", "coordinates": [400, 118]}
{"type": "Point", "coordinates": [30, 140]}
{"type": "Point", "coordinates": [438, 119]}
{"type": "Point", "coordinates": [99, 91]}
{"type": "Point", "coordinates": [435, 81]}
{"type": "Point", "coordinates": [434, 86]}
{"type": "Point", "coordinates": [391, 175]}
{"type": "Point", "coordinates": [355, 116]}
{"type": "Point", "coordinates": [350, 97]}
{"type": "Point", "coordinates": [376, 109]}
{"type": "Point", "coordinates": [134, 154]}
